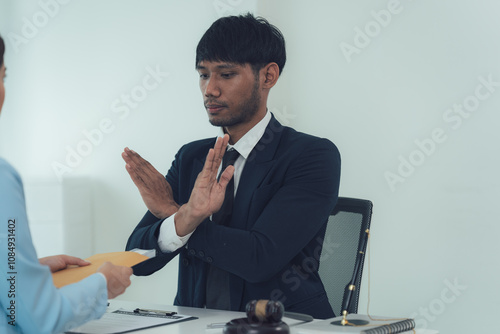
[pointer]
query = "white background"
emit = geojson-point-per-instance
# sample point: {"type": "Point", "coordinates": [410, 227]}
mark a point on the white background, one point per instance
{"type": "Point", "coordinates": [435, 227]}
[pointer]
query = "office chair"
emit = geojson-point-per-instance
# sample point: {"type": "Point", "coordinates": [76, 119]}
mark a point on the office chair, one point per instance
{"type": "Point", "coordinates": [343, 239]}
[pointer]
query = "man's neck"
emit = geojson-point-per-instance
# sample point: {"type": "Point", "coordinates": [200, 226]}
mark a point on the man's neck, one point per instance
{"type": "Point", "coordinates": [236, 132]}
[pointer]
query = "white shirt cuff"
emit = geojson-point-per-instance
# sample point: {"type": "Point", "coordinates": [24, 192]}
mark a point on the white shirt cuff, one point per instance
{"type": "Point", "coordinates": [168, 240]}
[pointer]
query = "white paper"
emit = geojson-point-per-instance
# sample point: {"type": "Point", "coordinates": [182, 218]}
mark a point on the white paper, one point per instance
{"type": "Point", "coordinates": [123, 321]}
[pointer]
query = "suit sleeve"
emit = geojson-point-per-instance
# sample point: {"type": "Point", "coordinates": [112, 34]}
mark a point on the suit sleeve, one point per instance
{"type": "Point", "coordinates": [290, 219]}
{"type": "Point", "coordinates": [29, 300]}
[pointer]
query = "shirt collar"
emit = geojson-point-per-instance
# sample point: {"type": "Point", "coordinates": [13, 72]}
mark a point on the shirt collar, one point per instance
{"type": "Point", "coordinates": [246, 144]}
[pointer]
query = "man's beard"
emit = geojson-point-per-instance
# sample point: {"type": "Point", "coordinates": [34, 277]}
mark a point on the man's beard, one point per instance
{"type": "Point", "coordinates": [244, 112]}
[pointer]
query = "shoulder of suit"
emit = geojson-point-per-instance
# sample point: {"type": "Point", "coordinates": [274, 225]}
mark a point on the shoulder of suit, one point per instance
{"type": "Point", "coordinates": [300, 138]}
{"type": "Point", "coordinates": [197, 147]}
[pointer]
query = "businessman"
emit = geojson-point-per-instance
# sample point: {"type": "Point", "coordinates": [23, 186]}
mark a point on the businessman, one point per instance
{"type": "Point", "coordinates": [253, 229]}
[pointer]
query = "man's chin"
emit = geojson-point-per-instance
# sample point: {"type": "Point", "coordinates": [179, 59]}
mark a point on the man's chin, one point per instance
{"type": "Point", "coordinates": [218, 121]}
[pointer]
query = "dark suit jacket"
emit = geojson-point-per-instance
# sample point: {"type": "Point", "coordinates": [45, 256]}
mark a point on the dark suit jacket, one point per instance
{"type": "Point", "coordinates": [271, 248]}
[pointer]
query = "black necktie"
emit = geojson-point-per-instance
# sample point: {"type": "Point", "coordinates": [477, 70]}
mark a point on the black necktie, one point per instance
{"type": "Point", "coordinates": [217, 294]}
{"type": "Point", "coordinates": [223, 216]}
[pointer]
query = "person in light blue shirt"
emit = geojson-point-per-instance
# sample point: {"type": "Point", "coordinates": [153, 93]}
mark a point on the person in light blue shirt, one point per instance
{"type": "Point", "coordinates": [29, 301]}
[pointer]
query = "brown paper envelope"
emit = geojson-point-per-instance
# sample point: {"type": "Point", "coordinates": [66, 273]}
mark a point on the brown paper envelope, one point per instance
{"type": "Point", "coordinates": [74, 274]}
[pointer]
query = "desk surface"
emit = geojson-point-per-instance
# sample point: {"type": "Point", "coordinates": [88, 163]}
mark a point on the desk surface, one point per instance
{"type": "Point", "coordinates": [206, 317]}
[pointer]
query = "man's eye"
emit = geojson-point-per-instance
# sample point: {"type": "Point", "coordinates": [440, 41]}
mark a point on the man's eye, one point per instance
{"type": "Point", "coordinates": [227, 75]}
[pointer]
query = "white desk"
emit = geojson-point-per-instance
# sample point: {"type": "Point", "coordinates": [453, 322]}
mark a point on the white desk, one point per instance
{"type": "Point", "coordinates": [205, 317]}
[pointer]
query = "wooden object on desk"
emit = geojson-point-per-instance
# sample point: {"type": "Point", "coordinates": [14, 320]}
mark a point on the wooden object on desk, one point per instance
{"type": "Point", "coordinates": [74, 274]}
{"type": "Point", "coordinates": [243, 325]}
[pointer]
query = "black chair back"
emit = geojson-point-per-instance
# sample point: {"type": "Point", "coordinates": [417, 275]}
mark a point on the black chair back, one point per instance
{"type": "Point", "coordinates": [343, 240]}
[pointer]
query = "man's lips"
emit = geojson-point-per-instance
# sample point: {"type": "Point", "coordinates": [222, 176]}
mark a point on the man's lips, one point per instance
{"type": "Point", "coordinates": [214, 107]}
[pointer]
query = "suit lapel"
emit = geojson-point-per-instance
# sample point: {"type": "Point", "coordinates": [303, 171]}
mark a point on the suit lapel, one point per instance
{"type": "Point", "coordinates": [256, 168]}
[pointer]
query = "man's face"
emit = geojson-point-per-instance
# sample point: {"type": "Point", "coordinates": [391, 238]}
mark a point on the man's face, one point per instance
{"type": "Point", "coordinates": [2, 87]}
{"type": "Point", "coordinates": [230, 92]}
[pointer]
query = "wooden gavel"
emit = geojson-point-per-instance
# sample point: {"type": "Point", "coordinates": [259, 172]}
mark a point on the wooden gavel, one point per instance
{"type": "Point", "coordinates": [271, 311]}
{"type": "Point", "coordinates": [268, 311]}
{"type": "Point", "coordinates": [263, 317]}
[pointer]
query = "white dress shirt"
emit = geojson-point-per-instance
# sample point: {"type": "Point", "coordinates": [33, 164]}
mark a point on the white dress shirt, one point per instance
{"type": "Point", "coordinates": [168, 240]}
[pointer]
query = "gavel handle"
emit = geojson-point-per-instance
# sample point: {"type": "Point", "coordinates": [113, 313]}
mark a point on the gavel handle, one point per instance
{"type": "Point", "coordinates": [298, 316]}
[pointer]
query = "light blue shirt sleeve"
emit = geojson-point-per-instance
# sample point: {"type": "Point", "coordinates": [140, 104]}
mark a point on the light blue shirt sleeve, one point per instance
{"type": "Point", "coordinates": [30, 303]}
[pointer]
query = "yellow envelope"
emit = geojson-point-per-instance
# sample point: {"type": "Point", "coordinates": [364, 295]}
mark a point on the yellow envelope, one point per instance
{"type": "Point", "coordinates": [73, 274]}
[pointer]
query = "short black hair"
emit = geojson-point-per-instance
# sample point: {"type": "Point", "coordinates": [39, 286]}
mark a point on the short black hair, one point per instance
{"type": "Point", "coordinates": [2, 50]}
{"type": "Point", "coordinates": [243, 39]}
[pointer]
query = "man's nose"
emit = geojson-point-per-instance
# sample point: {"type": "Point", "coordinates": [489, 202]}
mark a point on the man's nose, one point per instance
{"type": "Point", "coordinates": [212, 88]}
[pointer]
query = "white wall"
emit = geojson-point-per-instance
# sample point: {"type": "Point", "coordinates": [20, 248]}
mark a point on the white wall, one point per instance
{"type": "Point", "coordinates": [439, 225]}
{"type": "Point", "coordinates": [435, 229]}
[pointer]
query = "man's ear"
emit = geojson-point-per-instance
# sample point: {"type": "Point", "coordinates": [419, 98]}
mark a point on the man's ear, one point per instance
{"type": "Point", "coordinates": [270, 74]}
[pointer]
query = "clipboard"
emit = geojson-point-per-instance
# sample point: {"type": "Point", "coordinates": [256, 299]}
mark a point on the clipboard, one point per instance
{"type": "Point", "coordinates": [124, 321]}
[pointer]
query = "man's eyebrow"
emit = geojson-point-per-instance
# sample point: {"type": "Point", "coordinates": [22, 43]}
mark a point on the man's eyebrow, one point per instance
{"type": "Point", "coordinates": [227, 66]}
{"type": "Point", "coordinates": [221, 66]}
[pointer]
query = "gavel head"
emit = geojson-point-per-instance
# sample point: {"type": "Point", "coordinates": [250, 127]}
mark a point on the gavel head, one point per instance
{"type": "Point", "coordinates": [268, 311]}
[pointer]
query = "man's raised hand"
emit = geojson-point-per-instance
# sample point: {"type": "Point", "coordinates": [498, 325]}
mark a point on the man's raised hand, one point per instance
{"type": "Point", "coordinates": [208, 193]}
{"type": "Point", "coordinates": [152, 185]}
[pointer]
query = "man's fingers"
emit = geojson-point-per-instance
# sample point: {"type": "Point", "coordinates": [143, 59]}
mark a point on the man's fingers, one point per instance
{"type": "Point", "coordinates": [130, 158]}
{"type": "Point", "coordinates": [209, 162]}
{"type": "Point", "coordinates": [220, 148]}
{"type": "Point", "coordinates": [129, 155]}
{"type": "Point", "coordinates": [138, 167]}
{"type": "Point", "coordinates": [225, 141]}
{"type": "Point", "coordinates": [226, 176]}
{"type": "Point", "coordinates": [133, 158]}
{"type": "Point", "coordinates": [218, 143]}
{"type": "Point", "coordinates": [134, 175]}
{"type": "Point", "coordinates": [214, 156]}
